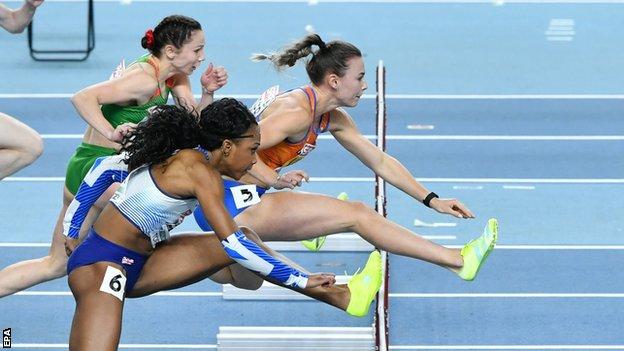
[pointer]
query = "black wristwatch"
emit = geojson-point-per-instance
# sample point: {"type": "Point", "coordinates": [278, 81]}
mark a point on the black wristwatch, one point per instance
{"type": "Point", "coordinates": [429, 197]}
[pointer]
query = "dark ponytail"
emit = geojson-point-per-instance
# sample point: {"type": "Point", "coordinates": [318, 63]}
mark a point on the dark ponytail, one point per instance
{"type": "Point", "coordinates": [291, 54]}
{"type": "Point", "coordinates": [329, 58]}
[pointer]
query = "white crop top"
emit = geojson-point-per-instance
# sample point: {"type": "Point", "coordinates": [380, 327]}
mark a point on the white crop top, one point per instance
{"type": "Point", "coordinates": [148, 207]}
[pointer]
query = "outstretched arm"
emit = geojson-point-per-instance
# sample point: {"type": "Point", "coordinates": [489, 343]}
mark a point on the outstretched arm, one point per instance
{"type": "Point", "coordinates": [208, 189]}
{"type": "Point", "coordinates": [389, 168]}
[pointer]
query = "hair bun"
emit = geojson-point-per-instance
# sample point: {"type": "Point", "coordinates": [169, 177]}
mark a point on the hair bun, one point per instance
{"type": "Point", "coordinates": [148, 40]}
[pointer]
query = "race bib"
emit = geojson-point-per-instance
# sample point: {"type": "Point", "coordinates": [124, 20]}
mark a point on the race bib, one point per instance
{"type": "Point", "coordinates": [245, 195]}
{"type": "Point", "coordinates": [264, 101]}
{"type": "Point", "coordinates": [114, 282]}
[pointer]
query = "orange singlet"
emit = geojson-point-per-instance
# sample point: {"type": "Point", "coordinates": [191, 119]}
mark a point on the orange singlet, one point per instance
{"type": "Point", "coordinates": [286, 153]}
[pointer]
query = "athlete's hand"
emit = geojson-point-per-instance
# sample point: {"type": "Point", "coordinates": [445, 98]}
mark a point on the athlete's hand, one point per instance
{"type": "Point", "coordinates": [213, 79]}
{"type": "Point", "coordinates": [34, 3]}
{"type": "Point", "coordinates": [291, 179]}
{"type": "Point", "coordinates": [70, 245]}
{"type": "Point", "coordinates": [452, 207]}
{"type": "Point", "coordinates": [121, 131]}
{"type": "Point", "coordinates": [321, 279]}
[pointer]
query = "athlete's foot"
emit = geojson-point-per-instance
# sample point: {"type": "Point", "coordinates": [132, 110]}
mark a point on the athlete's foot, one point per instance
{"type": "Point", "coordinates": [476, 251]}
{"type": "Point", "coordinates": [363, 286]}
{"type": "Point", "coordinates": [316, 243]}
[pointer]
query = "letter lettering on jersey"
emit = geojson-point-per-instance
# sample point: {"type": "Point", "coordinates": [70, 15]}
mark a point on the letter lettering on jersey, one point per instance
{"type": "Point", "coordinates": [264, 101]}
{"type": "Point", "coordinates": [306, 149]}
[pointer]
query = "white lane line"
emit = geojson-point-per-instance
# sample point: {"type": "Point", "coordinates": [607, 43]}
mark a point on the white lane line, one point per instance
{"type": "Point", "coordinates": [121, 346]}
{"type": "Point", "coordinates": [428, 237]}
{"type": "Point", "coordinates": [560, 29]}
{"type": "Point", "coordinates": [392, 347]}
{"type": "Point", "coordinates": [506, 347]}
{"type": "Point", "coordinates": [559, 32]}
{"type": "Point", "coordinates": [426, 180]}
{"type": "Point", "coordinates": [388, 96]}
{"type": "Point", "coordinates": [508, 295]}
{"type": "Point", "coordinates": [439, 237]}
{"type": "Point", "coordinates": [554, 247]}
{"type": "Point", "coordinates": [420, 126]}
{"type": "Point", "coordinates": [365, 1]}
{"type": "Point", "coordinates": [419, 223]}
{"type": "Point", "coordinates": [161, 294]}
{"type": "Point", "coordinates": [440, 137]}
{"type": "Point", "coordinates": [24, 244]}
{"type": "Point", "coordinates": [559, 39]}
{"type": "Point", "coordinates": [523, 180]}
{"type": "Point", "coordinates": [33, 179]}
{"type": "Point", "coordinates": [502, 137]}
{"type": "Point", "coordinates": [467, 187]}
{"type": "Point", "coordinates": [62, 136]}
{"type": "Point", "coordinates": [518, 187]}
{"type": "Point", "coordinates": [432, 237]}
{"type": "Point", "coordinates": [394, 295]}
{"type": "Point", "coordinates": [43, 293]}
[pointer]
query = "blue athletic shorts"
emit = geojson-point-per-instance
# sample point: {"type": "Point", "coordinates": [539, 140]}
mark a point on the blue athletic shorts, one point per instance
{"type": "Point", "coordinates": [95, 249]}
{"type": "Point", "coordinates": [237, 198]}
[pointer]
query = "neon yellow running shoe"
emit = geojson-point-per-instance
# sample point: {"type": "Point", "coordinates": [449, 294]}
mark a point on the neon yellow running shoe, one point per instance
{"type": "Point", "coordinates": [316, 243]}
{"type": "Point", "coordinates": [477, 250]}
{"type": "Point", "coordinates": [364, 286]}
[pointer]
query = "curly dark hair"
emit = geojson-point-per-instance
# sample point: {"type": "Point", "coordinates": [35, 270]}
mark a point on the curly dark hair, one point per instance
{"type": "Point", "coordinates": [224, 119]}
{"type": "Point", "coordinates": [170, 128]}
{"type": "Point", "coordinates": [167, 129]}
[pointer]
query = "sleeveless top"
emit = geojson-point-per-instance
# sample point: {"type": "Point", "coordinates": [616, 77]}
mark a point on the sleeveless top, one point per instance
{"type": "Point", "coordinates": [116, 114]}
{"type": "Point", "coordinates": [286, 152]}
{"type": "Point", "coordinates": [148, 207]}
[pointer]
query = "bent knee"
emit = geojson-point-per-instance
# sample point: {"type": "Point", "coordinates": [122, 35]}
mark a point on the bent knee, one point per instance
{"type": "Point", "coordinates": [360, 212]}
{"type": "Point", "coordinates": [36, 148]}
{"type": "Point", "coordinates": [360, 208]}
{"type": "Point", "coordinates": [58, 268]}
{"type": "Point", "coordinates": [32, 148]}
{"type": "Point", "coordinates": [54, 267]}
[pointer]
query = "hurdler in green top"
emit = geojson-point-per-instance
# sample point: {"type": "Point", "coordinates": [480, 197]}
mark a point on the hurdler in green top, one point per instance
{"type": "Point", "coordinates": [86, 154]}
{"type": "Point", "coordinates": [117, 115]}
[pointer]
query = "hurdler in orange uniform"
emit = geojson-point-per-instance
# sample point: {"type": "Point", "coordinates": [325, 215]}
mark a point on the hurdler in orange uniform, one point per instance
{"type": "Point", "coordinates": [289, 126]}
{"type": "Point", "coordinates": [238, 195]}
{"type": "Point", "coordinates": [288, 152]}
